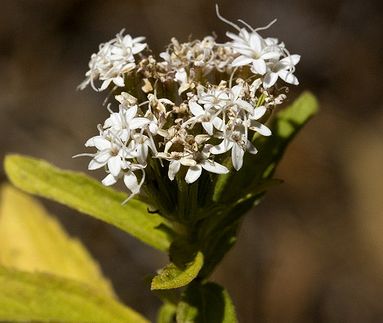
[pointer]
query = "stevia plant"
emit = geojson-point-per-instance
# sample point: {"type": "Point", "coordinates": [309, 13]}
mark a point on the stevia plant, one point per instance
{"type": "Point", "coordinates": [194, 136]}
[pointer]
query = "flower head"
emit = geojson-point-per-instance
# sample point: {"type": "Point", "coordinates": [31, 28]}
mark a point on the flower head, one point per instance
{"type": "Point", "coordinates": [195, 110]}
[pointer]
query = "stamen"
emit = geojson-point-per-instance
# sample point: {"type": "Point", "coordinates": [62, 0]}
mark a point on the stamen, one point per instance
{"type": "Point", "coordinates": [84, 155]}
{"type": "Point", "coordinates": [225, 20]}
{"type": "Point", "coordinates": [267, 26]}
{"type": "Point", "coordinates": [246, 24]}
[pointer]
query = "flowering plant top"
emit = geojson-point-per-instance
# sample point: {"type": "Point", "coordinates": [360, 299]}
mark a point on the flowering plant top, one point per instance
{"type": "Point", "coordinates": [189, 108]}
{"type": "Point", "coordinates": [183, 134]}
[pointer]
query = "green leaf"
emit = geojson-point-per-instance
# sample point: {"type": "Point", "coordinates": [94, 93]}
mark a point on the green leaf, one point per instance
{"type": "Point", "coordinates": [206, 303]}
{"type": "Point", "coordinates": [166, 313]}
{"type": "Point", "coordinates": [173, 276]}
{"type": "Point", "coordinates": [46, 298]}
{"type": "Point", "coordinates": [41, 244]}
{"type": "Point", "coordinates": [256, 168]}
{"type": "Point", "coordinates": [86, 195]}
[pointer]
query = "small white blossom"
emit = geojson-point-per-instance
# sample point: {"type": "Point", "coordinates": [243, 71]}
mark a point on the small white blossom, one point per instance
{"type": "Point", "coordinates": [208, 118]}
{"type": "Point", "coordinates": [111, 152]}
{"type": "Point", "coordinates": [113, 60]}
{"type": "Point", "coordinates": [235, 140]}
{"type": "Point", "coordinates": [203, 162]}
{"type": "Point", "coordinates": [283, 69]}
{"type": "Point", "coordinates": [253, 50]}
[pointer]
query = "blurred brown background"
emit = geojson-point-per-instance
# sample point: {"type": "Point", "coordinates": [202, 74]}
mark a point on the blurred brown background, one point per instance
{"type": "Point", "coordinates": [313, 250]}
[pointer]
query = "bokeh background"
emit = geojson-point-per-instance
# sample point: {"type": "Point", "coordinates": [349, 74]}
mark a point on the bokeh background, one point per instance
{"type": "Point", "coordinates": [313, 250]}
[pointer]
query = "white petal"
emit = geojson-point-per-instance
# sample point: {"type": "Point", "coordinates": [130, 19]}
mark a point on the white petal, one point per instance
{"type": "Point", "coordinates": [131, 113]}
{"type": "Point", "coordinates": [214, 167]}
{"type": "Point", "coordinates": [109, 180]}
{"type": "Point", "coordinates": [259, 66]}
{"type": "Point", "coordinates": [188, 162]}
{"type": "Point", "coordinates": [260, 128]}
{"type": "Point", "coordinates": [138, 39]}
{"type": "Point", "coordinates": [250, 148]}
{"type": "Point", "coordinates": [241, 61]}
{"type": "Point", "coordinates": [218, 123]}
{"type": "Point", "coordinates": [124, 135]}
{"type": "Point", "coordinates": [114, 165]}
{"type": "Point", "coordinates": [101, 143]}
{"type": "Point", "coordinates": [98, 161]}
{"type": "Point", "coordinates": [245, 105]}
{"type": "Point", "coordinates": [139, 122]}
{"type": "Point", "coordinates": [142, 153]}
{"type": "Point", "coordinates": [223, 147]}
{"type": "Point", "coordinates": [258, 113]}
{"type": "Point", "coordinates": [153, 128]}
{"type": "Point", "coordinates": [193, 174]}
{"type": "Point", "coordinates": [288, 77]}
{"type": "Point", "coordinates": [113, 121]}
{"type": "Point", "coordinates": [237, 156]}
{"type": "Point", "coordinates": [292, 59]}
{"type": "Point", "coordinates": [271, 55]}
{"type": "Point", "coordinates": [270, 79]}
{"type": "Point", "coordinates": [138, 48]}
{"type": "Point", "coordinates": [196, 109]}
{"type": "Point", "coordinates": [255, 42]}
{"type": "Point", "coordinates": [234, 37]}
{"type": "Point", "coordinates": [131, 182]}
{"type": "Point", "coordinates": [119, 81]}
{"type": "Point", "coordinates": [165, 101]}
{"type": "Point", "coordinates": [181, 76]}
{"type": "Point", "coordinates": [174, 167]}
{"type": "Point", "coordinates": [165, 56]}
{"type": "Point", "coordinates": [236, 90]}
{"type": "Point", "coordinates": [90, 142]}
{"type": "Point", "coordinates": [105, 84]}
{"type": "Point", "coordinates": [208, 126]}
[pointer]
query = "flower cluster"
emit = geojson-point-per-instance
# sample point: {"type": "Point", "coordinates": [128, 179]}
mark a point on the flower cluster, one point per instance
{"type": "Point", "coordinates": [196, 108]}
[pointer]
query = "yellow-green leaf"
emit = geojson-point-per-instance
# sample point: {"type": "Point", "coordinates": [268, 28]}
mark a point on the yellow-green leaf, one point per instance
{"type": "Point", "coordinates": [166, 313]}
{"type": "Point", "coordinates": [173, 276]}
{"type": "Point", "coordinates": [31, 240]}
{"type": "Point", "coordinates": [86, 195]}
{"type": "Point", "coordinates": [46, 298]}
{"type": "Point", "coordinates": [205, 303]}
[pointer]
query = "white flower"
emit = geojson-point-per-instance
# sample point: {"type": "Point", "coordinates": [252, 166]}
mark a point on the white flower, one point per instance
{"type": "Point", "coordinates": [125, 121]}
{"type": "Point", "coordinates": [203, 162]}
{"type": "Point", "coordinates": [129, 178]}
{"type": "Point", "coordinates": [175, 164]}
{"type": "Point", "coordinates": [182, 78]}
{"type": "Point", "coordinates": [236, 99]}
{"type": "Point", "coordinates": [111, 152]}
{"type": "Point", "coordinates": [208, 118]}
{"type": "Point", "coordinates": [195, 161]}
{"type": "Point", "coordinates": [283, 69]}
{"type": "Point", "coordinates": [253, 50]}
{"type": "Point", "coordinates": [113, 60]}
{"type": "Point", "coordinates": [141, 144]}
{"type": "Point", "coordinates": [255, 125]}
{"type": "Point", "coordinates": [236, 141]}
{"type": "Point", "coordinates": [213, 98]}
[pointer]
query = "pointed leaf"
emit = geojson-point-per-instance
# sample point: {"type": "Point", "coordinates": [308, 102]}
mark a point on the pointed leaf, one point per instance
{"type": "Point", "coordinates": [205, 304]}
{"type": "Point", "coordinates": [86, 195]}
{"type": "Point", "coordinates": [47, 298]}
{"type": "Point", "coordinates": [173, 276]}
{"type": "Point", "coordinates": [166, 313]}
{"type": "Point", "coordinates": [41, 243]}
